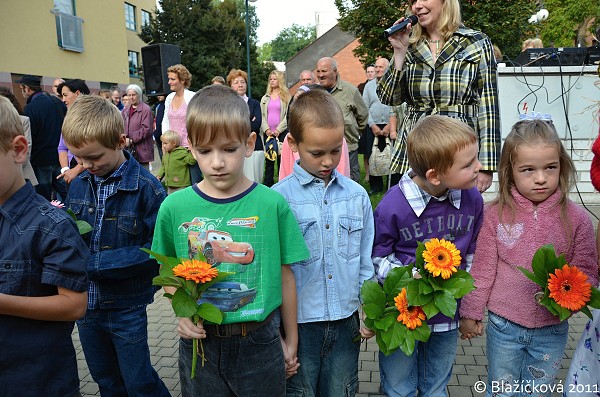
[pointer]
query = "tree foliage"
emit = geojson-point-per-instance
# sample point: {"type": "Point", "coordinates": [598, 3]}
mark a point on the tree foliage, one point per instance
{"type": "Point", "coordinates": [211, 35]}
{"type": "Point", "coordinates": [291, 40]}
{"type": "Point", "coordinates": [505, 22]}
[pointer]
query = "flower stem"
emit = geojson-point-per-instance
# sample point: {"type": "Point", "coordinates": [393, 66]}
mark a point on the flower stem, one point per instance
{"type": "Point", "coordinates": [194, 357]}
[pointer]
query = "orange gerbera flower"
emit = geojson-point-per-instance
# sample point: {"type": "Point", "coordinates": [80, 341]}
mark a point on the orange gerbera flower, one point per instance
{"type": "Point", "coordinates": [198, 271]}
{"type": "Point", "coordinates": [441, 257]}
{"type": "Point", "coordinates": [569, 287]}
{"type": "Point", "coordinates": [411, 316]}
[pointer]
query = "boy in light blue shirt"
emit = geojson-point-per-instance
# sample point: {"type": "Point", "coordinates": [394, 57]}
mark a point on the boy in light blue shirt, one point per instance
{"type": "Point", "coordinates": [336, 218]}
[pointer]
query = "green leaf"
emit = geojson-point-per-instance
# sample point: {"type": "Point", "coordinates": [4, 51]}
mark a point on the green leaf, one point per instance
{"type": "Point", "coordinates": [183, 304]}
{"type": "Point", "coordinates": [168, 295]}
{"type": "Point", "coordinates": [385, 322]}
{"type": "Point", "coordinates": [160, 258]}
{"type": "Point", "coordinates": [543, 256]}
{"type": "Point", "coordinates": [422, 332]}
{"type": "Point", "coordinates": [586, 310]}
{"type": "Point", "coordinates": [460, 284]}
{"type": "Point", "coordinates": [210, 312]}
{"type": "Point", "coordinates": [372, 310]}
{"type": "Point", "coordinates": [220, 277]}
{"type": "Point", "coordinates": [371, 292]}
{"type": "Point", "coordinates": [166, 281]}
{"type": "Point", "coordinates": [72, 214]}
{"type": "Point", "coordinates": [370, 323]}
{"type": "Point", "coordinates": [407, 345]}
{"type": "Point", "coordinates": [419, 261]}
{"type": "Point", "coordinates": [595, 298]}
{"type": "Point", "coordinates": [398, 334]}
{"type": "Point", "coordinates": [83, 227]}
{"type": "Point", "coordinates": [430, 309]}
{"type": "Point", "coordinates": [381, 343]}
{"type": "Point", "coordinates": [446, 303]}
{"type": "Point", "coordinates": [396, 279]}
{"type": "Point", "coordinates": [532, 277]}
{"type": "Point", "coordinates": [413, 295]}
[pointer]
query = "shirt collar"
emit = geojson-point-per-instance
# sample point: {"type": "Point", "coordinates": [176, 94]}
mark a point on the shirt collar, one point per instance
{"type": "Point", "coordinates": [305, 178]}
{"type": "Point", "coordinates": [19, 202]}
{"type": "Point", "coordinates": [418, 198]}
{"type": "Point", "coordinates": [118, 174]}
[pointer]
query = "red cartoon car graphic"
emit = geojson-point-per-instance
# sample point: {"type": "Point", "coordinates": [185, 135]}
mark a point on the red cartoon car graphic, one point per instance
{"type": "Point", "coordinates": [219, 247]}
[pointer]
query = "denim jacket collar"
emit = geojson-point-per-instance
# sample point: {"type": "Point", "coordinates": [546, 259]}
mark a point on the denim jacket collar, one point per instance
{"type": "Point", "coordinates": [14, 207]}
{"type": "Point", "coordinates": [130, 179]}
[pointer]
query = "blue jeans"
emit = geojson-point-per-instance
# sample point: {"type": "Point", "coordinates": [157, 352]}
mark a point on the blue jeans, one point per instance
{"type": "Point", "coordinates": [248, 366]}
{"type": "Point", "coordinates": [46, 176]}
{"type": "Point", "coordinates": [427, 370]}
{"type": "Point", "coordinates": [523, 356]}
{"type": "Point", "coordinates": [115, 344]}
{"type": "Point", "coordinates": [328, 359]}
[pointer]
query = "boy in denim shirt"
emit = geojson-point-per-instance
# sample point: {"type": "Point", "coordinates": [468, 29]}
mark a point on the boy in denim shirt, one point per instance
{"type": "Point", "coordinates": [336, 218]}
{"type": "Point", "coordinates": [120, 199]}
{"type": "Point", "coordinates": [42, 279]}
{"type": "Point", "coordinates": [241, 227]}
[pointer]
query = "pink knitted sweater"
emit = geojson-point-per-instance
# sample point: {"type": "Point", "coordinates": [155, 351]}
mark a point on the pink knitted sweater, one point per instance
{"type": "Point", "coordinates": [501, 247]}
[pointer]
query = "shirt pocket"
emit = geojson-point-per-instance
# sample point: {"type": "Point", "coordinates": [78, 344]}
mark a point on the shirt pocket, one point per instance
{"type": "Point", "coordinates": [15, 277]}
{"type": "Point", "coordinates": [130, 230]}
{"type": "Point", "coordinates": [349, 232]}
{"type": "Point", "coordinates": [312, 237]}
{"type": "Point", "coordinates": [465, 70]}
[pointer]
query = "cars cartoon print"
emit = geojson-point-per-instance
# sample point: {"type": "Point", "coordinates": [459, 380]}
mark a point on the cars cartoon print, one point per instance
{"type": "Point", "coordinates": [218, 247]}
{"type": "Point", "coordinates": [228, 296]}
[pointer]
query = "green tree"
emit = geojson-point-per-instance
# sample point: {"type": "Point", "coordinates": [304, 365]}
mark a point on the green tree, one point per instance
{"type": "Point", "coordinates": [567, 20]}
{"type": "Point", "coordinates": [211, 35]}
{"type": "Point", "coordinates": [291, 40]}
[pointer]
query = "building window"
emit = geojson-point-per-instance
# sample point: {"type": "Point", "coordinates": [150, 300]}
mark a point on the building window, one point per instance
{"type": "Point", "coordinates": [69, 27]}
{"type": "Point", "coordinates": [145, 18]}
{"type": "Point", "coordinates": [130, 17]}
{"type": "Point", "coordinates": [134, 64]}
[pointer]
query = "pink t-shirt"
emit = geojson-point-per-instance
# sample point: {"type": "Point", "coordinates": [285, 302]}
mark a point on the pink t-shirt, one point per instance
{"type": "Point", "coordinates": [274, 113]}
{"type": "Point", "coordinates": [177, 123]}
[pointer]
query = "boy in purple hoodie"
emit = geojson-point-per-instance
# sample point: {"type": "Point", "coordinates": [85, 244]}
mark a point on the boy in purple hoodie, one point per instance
{"type": "Point", "coordinates": [436, 198]}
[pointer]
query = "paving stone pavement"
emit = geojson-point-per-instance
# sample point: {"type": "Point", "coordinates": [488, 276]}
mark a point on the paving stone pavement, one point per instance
{"type": "Point", "coordinates": [470, 365]}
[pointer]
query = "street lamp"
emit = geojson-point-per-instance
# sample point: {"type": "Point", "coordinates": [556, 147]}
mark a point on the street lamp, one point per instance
{"type": "Point", "coordinates": [248, 47]}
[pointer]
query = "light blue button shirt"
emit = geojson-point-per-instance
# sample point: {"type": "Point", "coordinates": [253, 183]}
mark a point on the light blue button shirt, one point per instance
{"type": "Point", "coordinates": [337, 223]}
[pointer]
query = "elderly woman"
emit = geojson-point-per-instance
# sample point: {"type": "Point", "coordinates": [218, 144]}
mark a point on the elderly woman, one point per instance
{"type": "Point", "coordinates": [176, 108]}
{"type": "Point", "coordinates": [138, 120]}
{"type": "Point", "coordinates": [254, 165]}
{"type": "Point", "coordinates": [442, 67]}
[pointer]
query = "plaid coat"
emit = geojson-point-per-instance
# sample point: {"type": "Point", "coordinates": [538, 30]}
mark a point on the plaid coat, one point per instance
{"type": "Point", "coordinates": [461, 83]}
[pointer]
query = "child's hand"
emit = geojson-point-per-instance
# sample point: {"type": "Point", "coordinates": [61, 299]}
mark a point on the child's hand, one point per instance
{"type": "Point", "coordinates": [470, 328]}
{"type": "Point", "coordinates": [366, 333]}
{"type": "Point", "coordinates": [187, 330]}
{"type": "Point", "coordinates": [291, 359]}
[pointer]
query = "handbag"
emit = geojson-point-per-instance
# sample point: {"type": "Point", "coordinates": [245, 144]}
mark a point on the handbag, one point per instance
{"type": "Point", "coordinates": [379, 162]}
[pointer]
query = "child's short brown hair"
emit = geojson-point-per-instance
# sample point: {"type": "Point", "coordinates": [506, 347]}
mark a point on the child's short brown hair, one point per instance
{"type": "Point", "coordinates": [171, 136]}
{"type": "Point", "coordinates": [316, 109]}
{"type": "Point", "coordinates": [10, 124]}
{"type": "Point", "coordinates": [217, 110]}
{"type": "Point", "coordinates": [93, 119]}
{"type": "Point", "coordinates": [434, 141]}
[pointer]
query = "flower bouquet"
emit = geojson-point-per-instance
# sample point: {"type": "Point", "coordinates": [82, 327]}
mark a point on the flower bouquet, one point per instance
{"type": "Point", "coordinates": [190, 277]}
{"type": "Point", "coordinates": [82, 226]}
{"type": "Point", "coordinates": [398, 311]}
{"type": "Point", "coordinates": [565, 288]}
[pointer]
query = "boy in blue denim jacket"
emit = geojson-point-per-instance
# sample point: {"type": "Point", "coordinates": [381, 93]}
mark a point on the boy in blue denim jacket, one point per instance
{"type": "Point", "coordinates": [336, 218]}
{"type": "Point", "coordinates": [42, 279]}
{"type": "Point", "coordinates": [120, 199]}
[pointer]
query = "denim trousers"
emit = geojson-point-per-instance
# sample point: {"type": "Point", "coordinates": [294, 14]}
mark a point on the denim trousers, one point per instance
{"type": "Point", "coordinates": [243, 366]}
{"type": "Point", "coordinates": [523, 357]}
{"type": "Point", "coordinates": [115, 345]}
{"type": "Point", "coordinates": [427, 370]}
{"type": "Point", "coordinates": [46, 176]}
{"type": "Point", "coordinates": [328, 359]}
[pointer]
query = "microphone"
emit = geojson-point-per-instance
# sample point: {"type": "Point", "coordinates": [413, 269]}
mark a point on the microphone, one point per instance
{"type": "Point", "coordinates": [401, 26]}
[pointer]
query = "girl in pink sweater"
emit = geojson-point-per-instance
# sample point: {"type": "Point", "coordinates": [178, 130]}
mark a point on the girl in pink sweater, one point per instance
{"type": "Point", "coordinates": [525, 342]}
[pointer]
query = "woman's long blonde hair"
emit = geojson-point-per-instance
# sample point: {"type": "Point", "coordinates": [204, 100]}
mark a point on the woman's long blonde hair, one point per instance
{"type": "Point", "coordinates": [284, 94]}
{"type": "Point", "coordinates": [450, 20]}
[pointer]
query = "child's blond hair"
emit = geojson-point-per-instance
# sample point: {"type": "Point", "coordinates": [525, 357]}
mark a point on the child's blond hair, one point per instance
{"type": "Point", "coordinates": [216, 111]}
{"type": "Point", "coordinates": [10, 124]}
{"type": "Point", "coordinates": [171, 136]}
{"type": "Point", "coordinates": [434, 141]}
{"type": "Point", "coordinates": [93, 119]}
{"type": "Point", "coordinates": [314, 109]}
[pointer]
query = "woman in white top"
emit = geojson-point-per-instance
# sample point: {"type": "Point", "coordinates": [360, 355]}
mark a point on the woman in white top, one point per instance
{"type": "Point", "coordinates": [176, 108]}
